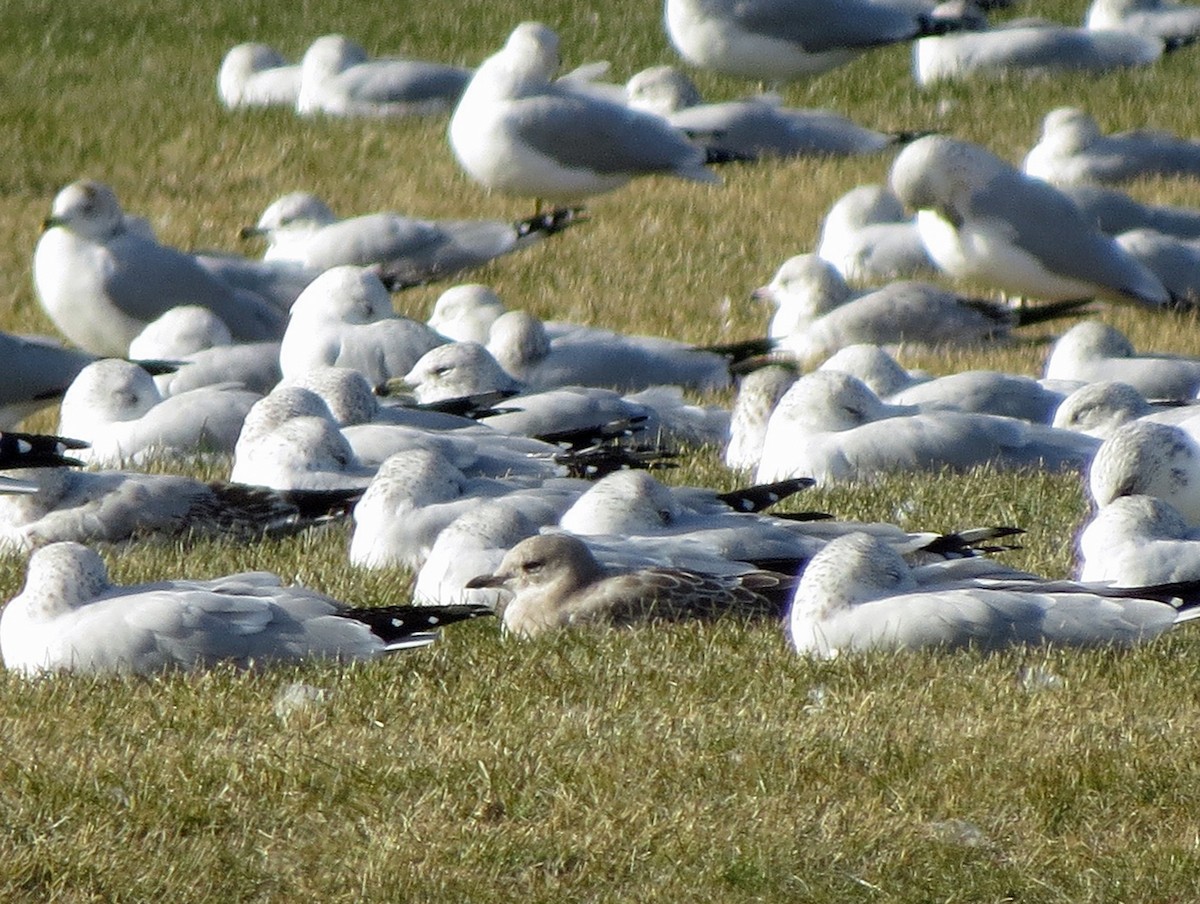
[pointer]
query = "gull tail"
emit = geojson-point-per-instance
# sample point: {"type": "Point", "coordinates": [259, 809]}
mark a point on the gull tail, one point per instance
{"type": "Point", "coordinates": [245, 510]}
{"type": "Point", "coordinates": [1027, 315]}
{"type": "Point", "coordinates": [406, 627]}
{"type": "Point", "coordinates": [37, 450]}
{"type": "Point", "coordinates": [973, 541]}
{"type": "Point", "coordinates": [764, 495]}
{"type": "Point", "coordinates": [743, 350]}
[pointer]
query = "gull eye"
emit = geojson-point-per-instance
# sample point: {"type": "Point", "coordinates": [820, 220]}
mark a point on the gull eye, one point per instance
{"type": "Point", "coordinates": [442, 370]}
{"type": "Point", "coordinates": [533, 566]}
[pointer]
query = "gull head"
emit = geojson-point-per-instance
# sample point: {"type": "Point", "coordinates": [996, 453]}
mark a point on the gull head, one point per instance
{"type": "Point", "coordinates": [272, 411]}
{"type": "Point", "coordinates": [418, 476]}
{"type": "Point", "coordinates": [105, 392]}
{"type": "Point", "coordinates": [853, 569]}
{"type": "Point", "coordinates": [941, 174]}
{"type": "Point", "coordinates": [622, 503]}
{"type": "Point", "coordinates": [457, 370]}
{"type": "Point", "coordinates": [466, 313]}
{"type": "Point", "coordinates": [1086, 342]}
{"type": "Point", "coordinates": [828, 401]}
{"type": "Point", "coordinates": [181, 331]}
{"type": "Point", "coordinates": [863, 206]}
{"type": "Point", "coordinates": [1150, 459]}
{"type": "Point", "coordinates": [1069, 130]}
{"type": "Point", "coordinates": [518, 341]}
{"type": "Point", "coordinates": [345, 392]}
{"type": "Point", "coordinates": [880, 371]}
{"type": "Point", "coordinates": [62, 577]}
{"type": "Point", "coordinates": [803, 288]}
{"type": "Point", "coordinates": [346, 295]}
{"type": "Point", "coordinates": [292, 215]}
{"type": "Point", "coordinates": [89, 209]}
{"type": "Point", "coordinates": [662, 90]}
{"type": "Point", "coordinates": [1098, 409]}
{"type": "Point", "coordinates": [240, 63]}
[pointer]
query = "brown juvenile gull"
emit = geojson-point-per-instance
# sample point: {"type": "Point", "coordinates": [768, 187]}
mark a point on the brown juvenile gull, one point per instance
{"type": "Point", "coordinates": [556, 582]}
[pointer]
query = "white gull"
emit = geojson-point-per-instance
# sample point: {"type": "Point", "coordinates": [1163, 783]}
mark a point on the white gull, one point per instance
{"type": "Point", "coordinates": [101, 281]}
{"type": "Point", "coordinates": [69, 617]}
{"type": "Point", "coordinates": [983, 219]}
{"type": "Point", "coordinates": [517, 131]}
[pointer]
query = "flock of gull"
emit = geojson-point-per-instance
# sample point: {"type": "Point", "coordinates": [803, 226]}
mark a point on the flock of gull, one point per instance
{"type": "Point", "coordinates": [508, 462]}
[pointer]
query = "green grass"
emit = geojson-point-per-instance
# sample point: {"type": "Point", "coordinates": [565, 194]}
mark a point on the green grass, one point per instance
{"type": "Point", "coordinates": [672, 764]}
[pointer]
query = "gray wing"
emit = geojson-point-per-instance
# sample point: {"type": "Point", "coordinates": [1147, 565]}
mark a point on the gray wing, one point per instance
{"type": "Point", "coordinates": [580, 132]}
{"type": "Point", "coordinates": [32, 369]}
{"type": "Point", "coordinates": [403, 81]}
{"type": "Point", "coordinates": [1046, 223]}
{"type": "Point", "coordinates": [147, 279]}
{"type": "Point", "coordinates": [371, 239]}
{"type": "Point", "coordinates": [821, 25]}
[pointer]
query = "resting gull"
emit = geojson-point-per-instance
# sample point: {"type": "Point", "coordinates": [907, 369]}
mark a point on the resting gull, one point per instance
{"type": "Point", "coordinates": [1072, 149]}
{"type": "Point", "coordinates": [257, 75]}
{"type": "Point", "coordinates": [338, 79]}
{"type": "Point", "coordinates": [868, 238]}
{"type": "Point", "coordinates": [69, 617]}
{"type": "Point", "coordinates": [1092, 351]}
{"type": "Point", "coordinates": [556, 582]}
{"type": "Point", "coordinates": [858, 594]}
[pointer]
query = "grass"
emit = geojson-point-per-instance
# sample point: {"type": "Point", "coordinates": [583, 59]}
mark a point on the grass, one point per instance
{"type": "Point", "coordinates": [669, 764]}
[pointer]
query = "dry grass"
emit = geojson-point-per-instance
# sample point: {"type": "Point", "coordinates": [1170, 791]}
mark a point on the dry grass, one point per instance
{"type": "Point", "coordinates": [673, 764]}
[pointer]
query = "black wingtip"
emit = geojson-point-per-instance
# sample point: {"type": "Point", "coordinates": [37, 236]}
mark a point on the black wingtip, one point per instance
{"type": "Point", "coordinates": [37, 450]}
{"type": "Point", "coordinates": [764, 495]}
{"type": "Point", "coordinates": [393, 624]}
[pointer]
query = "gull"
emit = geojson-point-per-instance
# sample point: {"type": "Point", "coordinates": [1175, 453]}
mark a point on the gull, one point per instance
{"type": "Point", "coordinates": [858, 594]}
{"type": "Point", "coordinates": [338, 79]}
{"type": "Point", "coordinates": [591, 357]}
{"type": "Point", "coordinates": [114, 506]}
{"type": "Point", "coordinates": [417, 493]}
{"type": "Point", "coordinates": [1072, 149]}
{"type": "Point", "coordinates": [1032, 50]}
{"type": "Point", "coordinates": [782, 40]}
{"type": "Point", "coordinates": [868, 238]}
{"type": "Point", "coordinates": [257, 75]}
{"type": "Point", "coordinates": [463, 369]}
{"type": "Point", "coordinates": [983, 219]}
{"type": "Point", "coordinates": [303, 232]}
{"type": "Point", "coordinates": [1144, 458]}
{"type": "Point", "coordinates": [345, 319]}
{"type": "Point", "coordinates": [516, 131]}
{"type": "Point", "coordinates": [556, 582]}
{"type": "Point", "coordinates": [1114, 212]}
{"type": "Point", "coordinates": [753, 128]}
{"type": "Point", "coordinates": [758, 394]}
{"type": "Point", "coordinates": [1092, 351]}
{"type": "Point", "coordinates": [69, 617]}
{"type": "Point", "coordinates": [817, 313]}
{"type": "Point", "coordinates": [978, 391]}
{"type": "Point", "coordinates": [831, 427]}
{"type": "Point", "coordinates": [116, 407]}
{"type": "Point", "coordinates": [1138, 540]}
{"type": "Point", "coordinates": [101, 281]}
{"type": "Point", "coordinates": [1167, 20]}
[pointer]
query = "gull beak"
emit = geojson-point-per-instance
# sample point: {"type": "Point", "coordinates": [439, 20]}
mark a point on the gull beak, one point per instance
{"type": "Point", "coordinates": [50, 222]}
{"type": "Point", "coordinates": [250, 232]}
{"type": "Point", "coordinates": [485, 580]}
{"type": "Point", "coordinates": [762, 293]}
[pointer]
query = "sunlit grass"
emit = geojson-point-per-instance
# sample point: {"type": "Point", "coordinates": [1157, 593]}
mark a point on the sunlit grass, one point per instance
{"type": "Point", "coordinates": [674, 764]}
